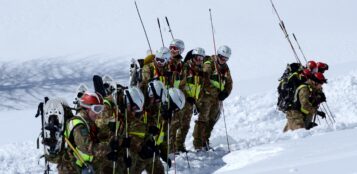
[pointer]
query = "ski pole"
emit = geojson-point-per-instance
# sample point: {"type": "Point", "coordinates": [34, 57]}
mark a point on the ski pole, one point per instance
{"type": "Point", "coordinates": [162, 40]}
{"type": "Point", "coordinates": [168, 24]}
{"type": "Point", "coordinates": [328, 108]}
{"type": "Point", "coordinates": [142, 24]}
{"type": "Point", "coordinates": [214, 40]}
{"type": "Point", "coordinates": [283, 28]}
{"type": "Point", "coordinates": [168, 144]}
{"type": "Point", "coordinates": [116, 126]}
{"type": "Point", "coordinates": [327, 114]}
{"type": "Point", "coordinates": [300, 48]}
{"type": "Point", "coordinates": [225, 126]}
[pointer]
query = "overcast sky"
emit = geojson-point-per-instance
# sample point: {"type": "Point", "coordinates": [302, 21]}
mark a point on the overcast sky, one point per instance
{"type": "Point", "coordinates": [326, 29]}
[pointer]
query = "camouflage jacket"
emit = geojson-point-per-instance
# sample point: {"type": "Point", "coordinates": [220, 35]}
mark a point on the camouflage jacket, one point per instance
{"type": "Point", "coordinates": [192, 80]}
{"type": "Point", "coordinates": [82, 135]}
{"type": "Point", "coordinates": [217, 77]}
{"type": "Point", "coordinates": [303, 96]}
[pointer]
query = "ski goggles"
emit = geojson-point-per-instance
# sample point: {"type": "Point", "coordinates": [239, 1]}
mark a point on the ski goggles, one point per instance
{"type": "Point", "coordinates": [95, 108]}
{"type": "Point", "coordinates": [223, 57]}
{"type": "Point", "coordinates": [160, 60]}
{"type": "Point", "coordinates": [175, 48]}
{"type": "Point", "coordinates": [198, 57]}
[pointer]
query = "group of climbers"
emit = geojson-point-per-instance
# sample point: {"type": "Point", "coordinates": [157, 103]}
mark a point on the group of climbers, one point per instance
{"type": "Point", "coordinates": [132, 129]}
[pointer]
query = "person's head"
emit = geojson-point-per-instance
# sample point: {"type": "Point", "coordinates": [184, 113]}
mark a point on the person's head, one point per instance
{"type": "Point", "coordinates": [198, 55]}
{"type": "Point", "coordinates": [162, 56]}
{"type": "Point", "coordinates": [157, 91]}
{"type": "Point", "coordinates": [223, 54]}
{"type": "Point", "coordinates": [321, 67]}
{"type": "Point", "coordinates": [318, 79]}
{"type": "Point", "coordinates": [177, 99]}
{"type": "Point", "coordinates": [92, 103]}
{"type": "Point", "coordinates": [312, 66]}
{"type": "Point", "coordinates": [177, 47]}
{"type": "Point", "coordinates": [306, 74]}
{"type": "Point", "coordinates": [82, 88]}
{"type": "Point", "coordinates": [108, 84]}
{"type": "Point", "coordinates": [134, 99]}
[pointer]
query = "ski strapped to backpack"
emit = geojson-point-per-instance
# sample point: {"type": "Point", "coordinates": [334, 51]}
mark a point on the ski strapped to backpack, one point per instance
{"type": "Point", "coordinates": [288, 84]}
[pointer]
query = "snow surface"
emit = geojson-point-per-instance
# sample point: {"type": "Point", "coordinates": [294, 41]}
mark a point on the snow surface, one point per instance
{"type": "Point", "coordinates": [47, 48]}
{"type": "Point", "coordinates": [255, 135]}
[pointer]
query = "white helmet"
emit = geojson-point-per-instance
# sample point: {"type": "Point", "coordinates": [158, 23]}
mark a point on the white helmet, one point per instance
{"type": "Point", "coordinates": [163, 53]}
{"type": "Point", "coordinates": [179, 44]}
{"type": "Point", "coordinates": [134, 96]}
{"type": "Point", "coordinates": [109, 85]}
{"type": "Point", "coordinates": [81, 89]}
{"type": "Point", "coordinates": [225, 51]}
{"type": "Point", "coordinates": [157, 89]}
{"type": "Point", "coordinates": [177, 97]}
{"type": "Point", "coordinates": [199, 51]}
{"type": "Point", "coordinates": [107, 79]}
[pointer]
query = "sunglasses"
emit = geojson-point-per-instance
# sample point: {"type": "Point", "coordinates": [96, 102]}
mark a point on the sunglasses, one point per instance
{"type": "Point", "coordinates": [174, 48]}
{"type": "Point", "coordinates": [223, 57]}
{"type": "Point", "coordinates": [160, 60]}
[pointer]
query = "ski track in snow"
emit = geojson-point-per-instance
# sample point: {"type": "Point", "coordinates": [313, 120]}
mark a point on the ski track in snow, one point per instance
{"type": "Point", "coordinates": [251, 121]}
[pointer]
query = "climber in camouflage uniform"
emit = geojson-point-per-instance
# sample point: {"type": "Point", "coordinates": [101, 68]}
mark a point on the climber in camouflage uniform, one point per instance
{"type": "Point", "coordinates": [217, 87]}
{"type": "Point", "coordinates": [191, 84]}
{"type": "Point", "coordinates": [307, 98]}
{"type": "Point", "coordinates": [85, 151]}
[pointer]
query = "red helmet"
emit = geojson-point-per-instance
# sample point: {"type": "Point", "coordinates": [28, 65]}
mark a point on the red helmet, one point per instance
{"type": "Point", "coordinates": [319, 78]}
{"type": "Point", "coordinates": [322, 67]}
{"type": "Point", "coordinates": [306, 73]}
{"type": "Point", "coordinates": [311, 65]}
{"type": "Point", "coordinates": [90, 98]}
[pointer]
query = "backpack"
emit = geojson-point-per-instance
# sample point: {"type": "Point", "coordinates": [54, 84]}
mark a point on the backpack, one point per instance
{"type": "Point", "coordinates": [288, 84]}
{"type": "Point", "coordinates": [54, 114]}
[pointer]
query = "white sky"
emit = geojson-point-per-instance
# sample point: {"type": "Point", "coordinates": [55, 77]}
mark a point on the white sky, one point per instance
{"type": "Point", "coordinates": [326, 30]}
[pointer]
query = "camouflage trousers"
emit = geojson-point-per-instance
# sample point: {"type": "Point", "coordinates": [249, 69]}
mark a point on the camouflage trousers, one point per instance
{"type": "Point", "coordinates": [209, 114]}
{"type": "Point", "coordinates": [139, 164]}
{"type": "Point", "coordinates": [296, 120]}
{"type": "Point", "coordinates": [180, 126]}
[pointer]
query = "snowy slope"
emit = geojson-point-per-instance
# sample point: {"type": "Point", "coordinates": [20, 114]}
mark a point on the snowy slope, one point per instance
{"type": "Point", "coordinates": [320, 153]}
{"type": "Point", "coordinates": [251, 121]}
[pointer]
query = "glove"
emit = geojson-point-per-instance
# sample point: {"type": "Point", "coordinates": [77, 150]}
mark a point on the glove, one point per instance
{"type": "Point", "coordinates": [87, 169]}
{"type": "Point", "coordinates": [169, 163]}
{"type": "Point", "coordinates": [222, 95]}
{"type": "Point", "coordinates": [153, 130]}
{"type": "Point", "coordinates": [320, 98]}
{"type": "Point", "coordinates": [111, 126]}
{"type": "Point", "coordinates": [322, 114]}
{"type": "Point", "coordinates": [126, 142]}
{"type": "Point", "coordinates": [112, 156]}
{"type": "Point", "coordinates": [147, 151]}
{"type": "Point", "coordinates": [165, 158]}
{"type": "Point", "coordinates": [311, 125]}
{"type": "Point", "coordinates": [196, 111]}
{"type": "Point", "coordinates": [114, 145]}
{"type": "Point", "coordinates": [166, 114]}
{"type": "Point", "coordinates": [127, 161]}
{"type": "Point", "coordinates": [191, 100]}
